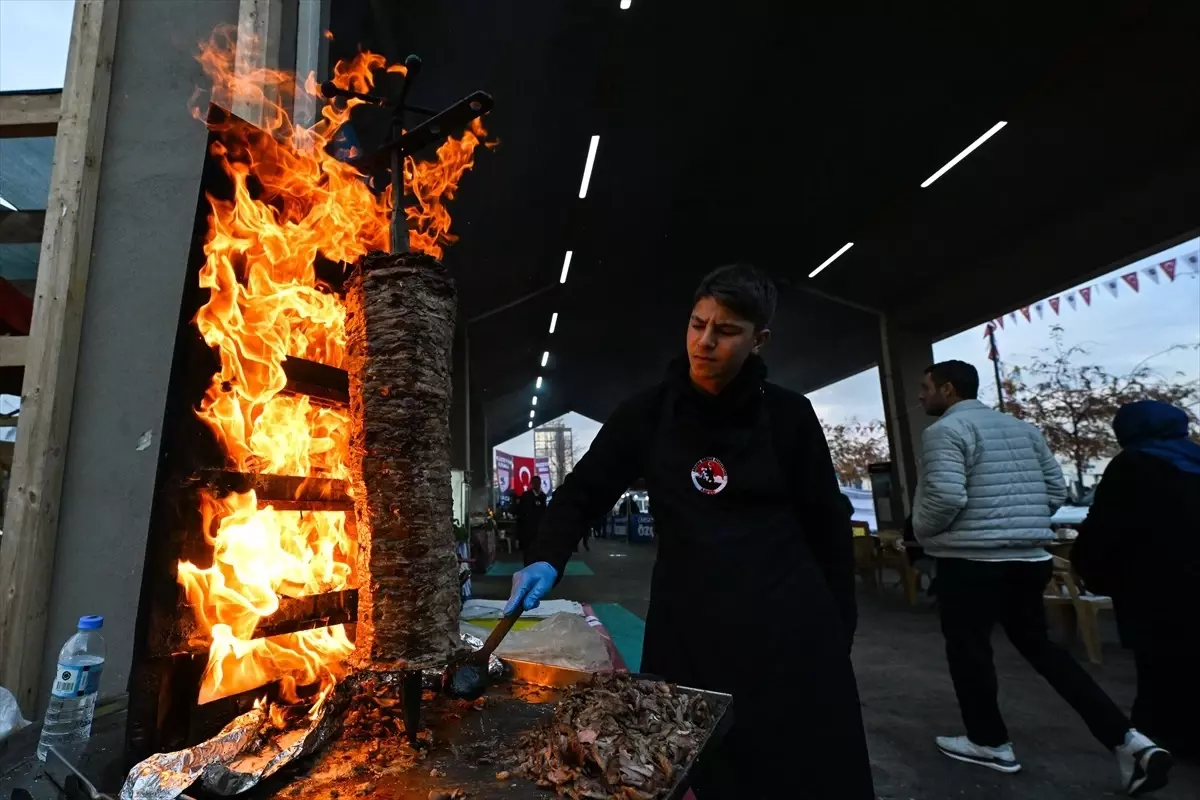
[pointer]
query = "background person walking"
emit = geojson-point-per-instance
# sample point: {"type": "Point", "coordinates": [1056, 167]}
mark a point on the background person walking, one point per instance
{"type": "Point", "coordinates": [989, 484]}
{"type": "Point", "coordinates": [1138, 545]}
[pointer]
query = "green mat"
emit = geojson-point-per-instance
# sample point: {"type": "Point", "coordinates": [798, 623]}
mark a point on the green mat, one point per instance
{"type": "Point", "coordinates": [509, 567]}
{"type": "Point", "coordinates": [626, 630]}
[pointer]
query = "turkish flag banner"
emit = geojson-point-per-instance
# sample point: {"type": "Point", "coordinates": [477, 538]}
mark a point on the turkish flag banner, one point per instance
{"type": "Point", "coordinates": [523, 470]}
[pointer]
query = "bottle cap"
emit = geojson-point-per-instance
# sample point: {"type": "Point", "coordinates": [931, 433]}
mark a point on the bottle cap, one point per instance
{"type": "Point", "coordinates": [91, 623]}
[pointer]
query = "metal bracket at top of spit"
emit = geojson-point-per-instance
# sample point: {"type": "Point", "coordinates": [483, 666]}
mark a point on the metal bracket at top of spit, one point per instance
{"type": "Point", "coordinates": [402, 143]}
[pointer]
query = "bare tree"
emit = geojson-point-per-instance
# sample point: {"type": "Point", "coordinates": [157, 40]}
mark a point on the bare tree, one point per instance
{"type": "Point", "coordinates": [854, 446]}
{"type": "Point", "coordinates": [1073, 402]}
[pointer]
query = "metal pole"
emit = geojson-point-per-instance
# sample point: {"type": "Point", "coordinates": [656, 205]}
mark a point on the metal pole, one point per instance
{"type": "Point", "coordinates": [467, 403]}
{"type": "Point", "coordinates": [996, 366]}
{"type": "Point", "coordinates": [412, 66]}
{"type": "Point", "coordinates": [488, 478]}
{"type": "Point", "coordinates": [399, 223]}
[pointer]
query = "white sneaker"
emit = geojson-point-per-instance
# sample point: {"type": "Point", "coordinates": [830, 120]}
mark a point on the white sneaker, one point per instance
{"type": "Point", "coordinates": [961, 748]}
{"type": "Point", "coordinates": [1144, 765]}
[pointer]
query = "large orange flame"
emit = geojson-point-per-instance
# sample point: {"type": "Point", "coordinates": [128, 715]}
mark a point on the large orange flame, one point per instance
{"type": "Point", "coordinates": [292, 203]}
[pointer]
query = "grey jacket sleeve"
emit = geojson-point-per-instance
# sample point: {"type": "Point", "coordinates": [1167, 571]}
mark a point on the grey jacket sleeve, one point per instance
{"type": "Point", "coordinates": [1056, 485]}
{"type": "Point", "coordinates": [943, 487]}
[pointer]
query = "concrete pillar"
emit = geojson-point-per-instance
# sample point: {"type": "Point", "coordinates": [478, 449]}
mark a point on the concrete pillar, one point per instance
{"type": "Point", "coordinates": [904, 355]}
{"type": "Point", "coordinates": [145, 209]}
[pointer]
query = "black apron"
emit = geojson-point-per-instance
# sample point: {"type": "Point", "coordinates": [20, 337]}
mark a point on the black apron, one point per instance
{"type": "Point", "coordinates": [738, 604]}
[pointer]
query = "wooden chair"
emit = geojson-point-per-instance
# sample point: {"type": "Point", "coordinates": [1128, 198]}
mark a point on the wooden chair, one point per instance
{"type": "Point", "coordinates": [1063, 594]}
{"type": "Point", "coordinates": [866, 555]}
{"type": "Point", "coordinates": [892, 555]}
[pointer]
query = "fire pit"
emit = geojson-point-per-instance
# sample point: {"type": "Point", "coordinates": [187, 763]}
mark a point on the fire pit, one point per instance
{"type": "Point", "coordinates": [474, 748]}
{"type": "Point", "coordinates": [260, 574]}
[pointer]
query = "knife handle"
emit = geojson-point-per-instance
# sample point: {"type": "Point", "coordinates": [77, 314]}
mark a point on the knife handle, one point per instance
{"type": "Point", "coordinates": [498, 633]}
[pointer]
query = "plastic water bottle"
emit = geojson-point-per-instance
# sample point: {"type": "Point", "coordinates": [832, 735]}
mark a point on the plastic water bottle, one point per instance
{"type": "Point", "coordinates": [76, 684]}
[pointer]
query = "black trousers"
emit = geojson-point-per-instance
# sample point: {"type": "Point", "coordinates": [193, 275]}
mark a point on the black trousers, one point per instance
{"type": "Point", "coordinates": [975, 596]}
{"type": "Point", "coordinates": [1167, 708]}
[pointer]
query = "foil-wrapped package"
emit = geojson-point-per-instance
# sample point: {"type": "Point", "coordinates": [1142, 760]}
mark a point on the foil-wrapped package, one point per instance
{"type": "Point", "coordinates": [164, 776]}
{"type": "Point", "coordinates": [226, 765]}
{"type": "Point", "coordinates": [435, 678]}
{"type": "Point", "coordinates": [495, 665]}
{"type": "Point", "coordinates": [280, 749]}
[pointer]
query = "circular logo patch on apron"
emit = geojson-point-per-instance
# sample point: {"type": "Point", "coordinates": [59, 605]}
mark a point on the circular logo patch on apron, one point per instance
{"type": "Point", "coordinates": [709, 476]}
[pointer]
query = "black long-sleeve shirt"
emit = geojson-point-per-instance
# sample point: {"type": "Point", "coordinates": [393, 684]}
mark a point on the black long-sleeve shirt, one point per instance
{"type": "Point", "coordinates": [625, 449]}
{"type": "Point", "coordinates": [531, 508]}
{"type": "Point", "coordinates": [1138, 544]}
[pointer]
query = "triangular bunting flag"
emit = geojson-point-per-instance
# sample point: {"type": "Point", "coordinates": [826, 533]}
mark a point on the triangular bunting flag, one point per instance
{"type": "Point", "coordinates": [991, 353]}
{"type": "Point", "coordinates": [1040, 308]}
{"type": "Point", "coordinates": [1112, 285]}
{"type": "Point", "coordinates": [1168, 268]}
{"type": "Point", "coordinates": [1071, 301]}
{"type": "Point", "coordinates": [1086, 294]}
{"type": "Point", "coordinates": [1000, 322]}
{"type": "Point", "coordinates": [1012, 315]}
{"type": "Point", "coordinates": [1025, 313]}
{"type": "Point", "coordinates": [1193, 261]}
{"type": "Point", "coordinates": [1151, 273]}
{"type": "Point", "coordinates": [1132, 279]}
{"type": "Point", "coordinates": [1054, 303]}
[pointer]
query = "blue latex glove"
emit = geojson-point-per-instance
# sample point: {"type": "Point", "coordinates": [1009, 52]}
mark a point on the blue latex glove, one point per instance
{"type": "Point", "coordinates": [530, 586]}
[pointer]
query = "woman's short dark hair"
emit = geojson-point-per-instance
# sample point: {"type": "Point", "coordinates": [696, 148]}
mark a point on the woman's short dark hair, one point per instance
{"type": "Point", "coordinates": [959, 374]}
{"type": "Point", "coordinates": [743, 289]}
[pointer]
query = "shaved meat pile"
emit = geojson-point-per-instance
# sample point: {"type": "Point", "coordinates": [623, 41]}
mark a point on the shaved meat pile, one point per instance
{"type": "Point", "coordinates": [616, 737]}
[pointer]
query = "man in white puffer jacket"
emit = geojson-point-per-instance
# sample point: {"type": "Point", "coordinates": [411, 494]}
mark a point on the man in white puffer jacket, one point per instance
{"type": "Point", "coordinates": [989, 484]}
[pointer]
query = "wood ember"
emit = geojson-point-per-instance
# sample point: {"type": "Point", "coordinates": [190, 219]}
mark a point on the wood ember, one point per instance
{"type": "Point", "coordinates": [400, 330]}
{"type": "Point", "coordinates": [616, 737]}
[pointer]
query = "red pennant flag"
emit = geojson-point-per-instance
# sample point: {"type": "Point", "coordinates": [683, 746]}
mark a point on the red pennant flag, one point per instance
{"type": "Point", "coordinates": [1025, 313]}
{"type": "Point", "coordinates": [1054, 301]}
{"type": "Point", "coordinates": [1000, 322]}
{"type": "Point", "coordinates": [1168, 267]}
{"type": "Point", "coordinates": [1086, 294]}
{"type": "Point", "coordinates": [987, 330]}
{"type": "Point", "coordinates": [1132, 280]}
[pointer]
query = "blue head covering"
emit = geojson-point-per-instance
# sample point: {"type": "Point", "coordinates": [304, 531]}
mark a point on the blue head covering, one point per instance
{"type": "Point", "coordinates": [1160, 430]}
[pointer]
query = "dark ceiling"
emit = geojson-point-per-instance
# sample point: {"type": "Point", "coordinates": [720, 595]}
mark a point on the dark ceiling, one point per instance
{"type": "Point", "coordinates": [776, 132]}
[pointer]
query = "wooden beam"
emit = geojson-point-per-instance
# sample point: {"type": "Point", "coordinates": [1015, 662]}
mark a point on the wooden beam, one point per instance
{"type": "Point", "coordinates": [21, 227]}
{"type": "Point", "coordinates": [13, 351]}
{"type": "Point", "coordinates": [31, 517]}
{"type": "Point", "coordinates": [29, 114]}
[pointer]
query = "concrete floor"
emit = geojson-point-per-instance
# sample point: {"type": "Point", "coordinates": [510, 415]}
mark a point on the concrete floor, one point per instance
{"type": "Point", "coordinates": [907, 697]}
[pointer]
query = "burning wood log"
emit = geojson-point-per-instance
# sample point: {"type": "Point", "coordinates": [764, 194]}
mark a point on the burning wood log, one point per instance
{"type": "Point", "coordinates": [400, 329]}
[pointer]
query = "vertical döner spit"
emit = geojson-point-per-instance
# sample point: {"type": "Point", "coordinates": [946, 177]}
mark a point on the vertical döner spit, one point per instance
{"type": "Point", "coordinates": [400, 331]}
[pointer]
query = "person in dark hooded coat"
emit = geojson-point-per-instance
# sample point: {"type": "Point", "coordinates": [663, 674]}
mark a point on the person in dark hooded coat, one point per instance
{"type": "Point", "coordinates": [752, 530]}
{"type": "Point", "coordinates": [1139, 546]}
